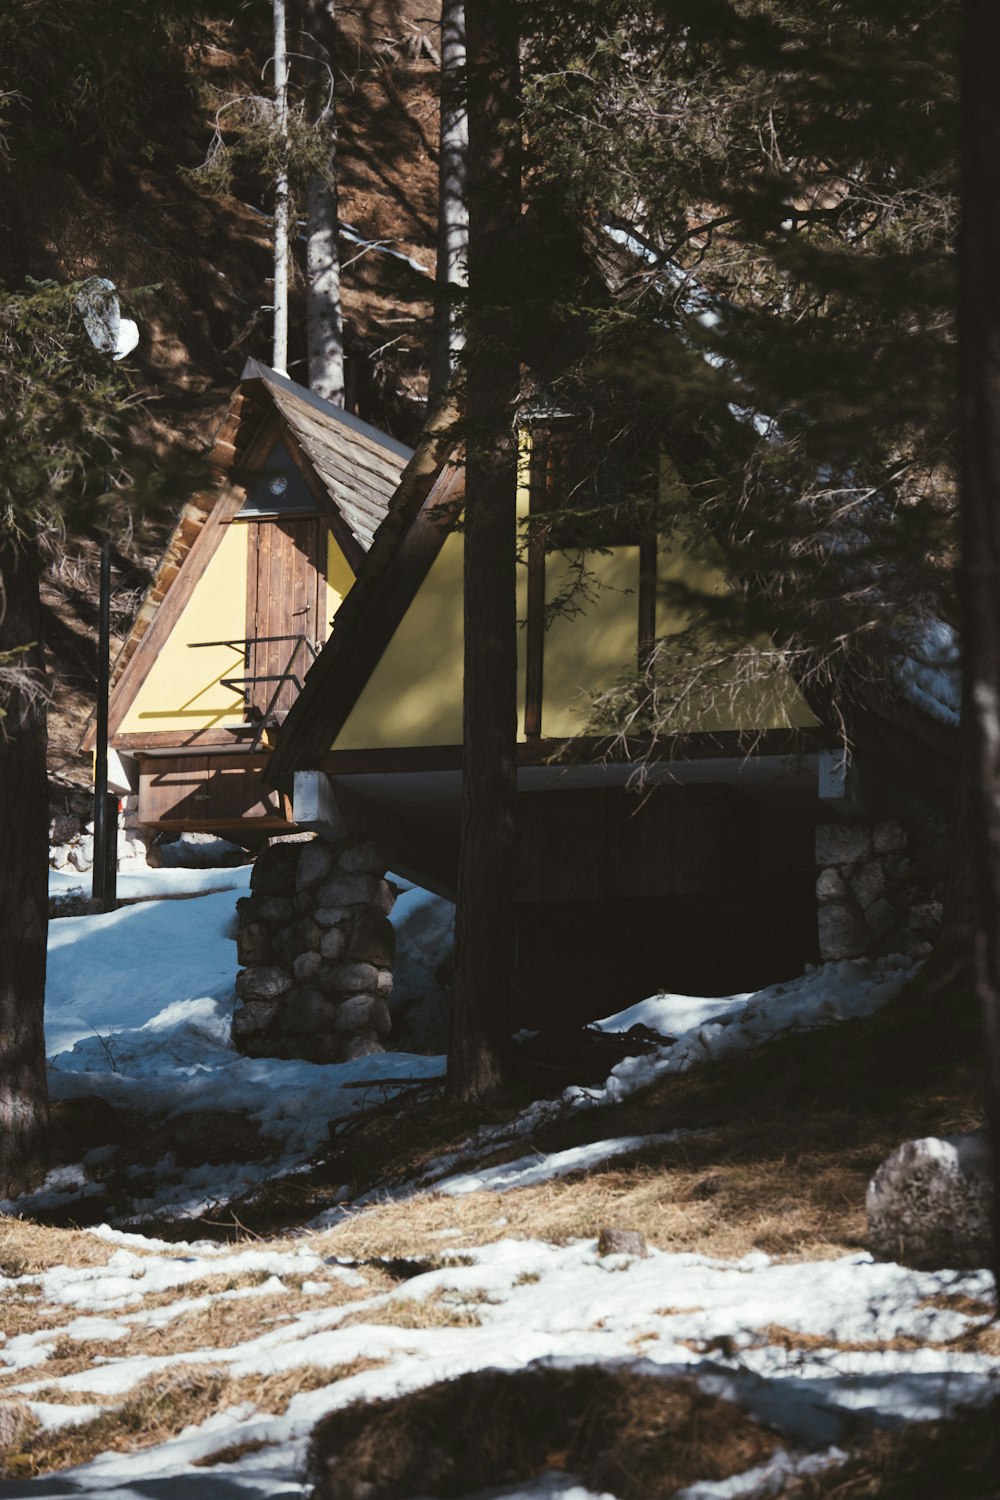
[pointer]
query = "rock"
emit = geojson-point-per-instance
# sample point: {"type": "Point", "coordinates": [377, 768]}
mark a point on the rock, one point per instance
{"type": "Point", "coordinates": [361, 1044]}
{"type": "Point", "coordinates": [925, 917]}
{"type": "Point", "coordinates": [613, 1241]}
{"type": "Point", "coordinates": [302, 901]}
{"type": "Point", "coordinates": [868, 884]}
{"type": "Point", "coordinates": [842, 843]}
{"type": "Point", "coordinates": [302, 936]}
{"type": "Point", "coordinates": [81, 855]}
{"type": "Point", "coordinates": [307, 965]}
{"type": "Point", "coordinates": [889, 837]}
{"type": "Point", "coordinates": [329, 916]}
{"type": "Point", "coordinates": [275, 909]}
{"type": "Point", "coordinates": [930, 1204]}
{"type": "Point", "coordinates": [350, 978]}
{"type": "Point", "coordinates": [830, 886]}
{"type": "Point", "coordinates": [251, 1019]}
{"type": "Point", "coordinates": [373, 938]}
{"type": "Point", "coordinates": [843, 932]}
{"type": "Point", "coordinates": [64, 827]}
{"type": "Point", "coordinates": [345, 889]}
{"type": "Point", "coordinates": [333, 944]}
{"type": "Point", "coordinates": [315, 864]}
{"type": "Point", "coordinates": [274, 870]}
{"type": "Point", "coordinates": [934, 861]}
{"type": "Point", "coordinates": [881, 919]}
{"type": "Point", "coordinates": [309, 1011]}
{"type": "Point", "coordinates": [365, 858]}
{"type": "Point", "coordinates": [364, 1013]}
{"type": "Point", "coordinates": [253, 943]}
{"type": "Point", "coordinates": [262, 982]}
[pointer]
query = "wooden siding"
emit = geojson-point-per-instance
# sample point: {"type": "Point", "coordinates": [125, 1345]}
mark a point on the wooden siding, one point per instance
{"type": "Point", "coordinates": [286, 563]}
{"type": "Point", "coordinates": [214, 792]}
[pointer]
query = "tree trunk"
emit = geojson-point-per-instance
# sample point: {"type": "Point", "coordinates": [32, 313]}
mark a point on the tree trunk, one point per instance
{"type": "Point", "coordinates": [453, 213]}
{"type": "Point", "coordinates": [484, 933]}
{"type": "Point", "coordinates": [979, 389]}
{"type": "Point", "coordinates": [324, 314]}
{"type": "Point", "coordinates": [281, 198]}
{"type": "Point", "coordinates": [24, 1105]}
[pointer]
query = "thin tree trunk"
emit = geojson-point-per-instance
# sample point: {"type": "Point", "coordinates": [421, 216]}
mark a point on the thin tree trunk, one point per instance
{"type": "Point", "coordinates": [979, 387]}
{"type": "Point", "coordinates": [484, 934]}
{"type": "Point", "coordinates": [281, 198]}
{"type": "Point", "coordinates": [453, 213]}
{"type": "Point", "coordinates": [24, 1106]}
{"type": "Point", "coordinates": [324, 314]}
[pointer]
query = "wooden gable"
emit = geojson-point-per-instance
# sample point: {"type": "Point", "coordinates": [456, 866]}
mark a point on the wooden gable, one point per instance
{"type": "Point", "coordinates": [271, 553]}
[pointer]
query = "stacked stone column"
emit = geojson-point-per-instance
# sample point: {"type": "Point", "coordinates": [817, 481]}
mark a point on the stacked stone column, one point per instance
{"type": "Point", "coordinates": [318, 947]}
{"type": "Point", "coordinates": [880, 886]}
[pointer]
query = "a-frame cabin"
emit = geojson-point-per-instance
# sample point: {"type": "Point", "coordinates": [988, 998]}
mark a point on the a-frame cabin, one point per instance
{"type": "Point", "coordinates": [241, 603]}
{"type": "Point", "coordinates": [704, 883]}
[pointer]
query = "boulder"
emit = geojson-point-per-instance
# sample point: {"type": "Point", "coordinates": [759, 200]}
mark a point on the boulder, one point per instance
{"type": "Point", "coordinates": [309, 1012]}
{"type": "Point", "coordinates": [251, 1019]}
{"type": "Point", "coordinates": [262, 982]}
{"type": "Point", "coordinates": [868, 884]}
{"type": "Point", "coordinates": [253, 943]}
{"type": "Point", "coordinates": [333, 944]}
{"type": "Point", "coordinates": [930, 1204]}
{"type": "Point", "coordinates": [351, 978]}
{"type": "Point", "coordinates": [366, 858]}
{"type": "Point", "coordinates": [302, 936]}
{"type": "Point", "coordinates": [274, 870]}
{"type": "Point", "coordinates": [360, 1044]}
{"type": "Point", "coordinates": [843, 932]}
{"type": "Point", "coordinates": [830, 886]}
{"type": "Point", "coordinates": [307, 965]}
{"type": "Point", "coordinates": [364, 1013]}
{"type": "Point", "coordinates": [843, 843]}
{"type": "Point", "coordinates": [889, 837]}
{"type": "Point", "coordinates": [373, 937]}
{"type": "Point", "coordinates": [315, 864]}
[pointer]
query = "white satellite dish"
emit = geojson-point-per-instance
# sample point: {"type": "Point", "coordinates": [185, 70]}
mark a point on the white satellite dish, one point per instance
{"type": "Point", "coordinates": [107, 330]}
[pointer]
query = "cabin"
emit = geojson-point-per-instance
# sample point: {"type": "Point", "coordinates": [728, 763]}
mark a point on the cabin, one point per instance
{"type": "Point", "coordinates": [703, 883]}
{"type": "Point", "coordinates": [241, 605]}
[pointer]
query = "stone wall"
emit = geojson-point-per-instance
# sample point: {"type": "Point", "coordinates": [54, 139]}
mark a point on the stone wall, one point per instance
{"type": "Point", "coordinates": [881, 885]}
{"type": "Point", "coordinates": [317, 948]}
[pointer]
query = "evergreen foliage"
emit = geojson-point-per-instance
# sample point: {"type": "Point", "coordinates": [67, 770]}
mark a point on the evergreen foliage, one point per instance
{"type": "Point", "coordinates": [771, 189]}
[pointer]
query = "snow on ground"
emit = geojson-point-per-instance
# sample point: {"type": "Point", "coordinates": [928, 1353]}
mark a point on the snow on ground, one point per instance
{"type": "Point", "coordinates": [138, 1004]}
{"type": "Point", "coordinates": [132, 885]}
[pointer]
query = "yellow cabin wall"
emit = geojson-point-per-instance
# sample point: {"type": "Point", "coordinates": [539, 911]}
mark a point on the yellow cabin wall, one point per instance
{"type": "Point", "coordinates": [414, 695]}
{"type": "Point", "coordinates": [339, 579]}
{"type": "Point", "coordinates": [182, 689]}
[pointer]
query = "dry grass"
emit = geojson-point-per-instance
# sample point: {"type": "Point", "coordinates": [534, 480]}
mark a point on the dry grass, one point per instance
{"type": "Point", "coordinates": [440, 1309]}
{"type": "Point", "coordinates": [161, 1407]}
{"type": "Point", "coordinates": [219, 1325]}
{"type": "Point", "coordinates": [28, 1249]}
{"type": "Point", "coordinates": [954, 1460]}
{"type": "Point", "coordinates": [638, 1436]}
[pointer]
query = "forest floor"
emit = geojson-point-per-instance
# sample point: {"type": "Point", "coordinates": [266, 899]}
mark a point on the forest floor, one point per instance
{"type": "Point", "coordinates": [276, 1259]}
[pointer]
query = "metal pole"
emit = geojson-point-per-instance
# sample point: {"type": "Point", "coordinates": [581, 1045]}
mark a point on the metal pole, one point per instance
{"type": "Point", "coordinates": [100, 879]}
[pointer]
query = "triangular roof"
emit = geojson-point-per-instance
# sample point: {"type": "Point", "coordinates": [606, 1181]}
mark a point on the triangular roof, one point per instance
{"type": "Point", "coordinates": [423, 511]}
{"type": "Point", "coordinates": [352, 471]}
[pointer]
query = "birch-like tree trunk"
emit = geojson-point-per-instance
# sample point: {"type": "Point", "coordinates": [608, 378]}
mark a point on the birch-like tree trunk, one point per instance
{"type": "Point", "coordinates": [979, 387]}
{"type": "Point", "coordinates": [484, 931]}
{"type": "Point", "coordinates": [281, 194]}
{"type": "Point", "coordinates": [24, 826]}
{"type": "Point", "coordinates": [453, 212]}
{"type": "Point", "coordinates": [324, 313]}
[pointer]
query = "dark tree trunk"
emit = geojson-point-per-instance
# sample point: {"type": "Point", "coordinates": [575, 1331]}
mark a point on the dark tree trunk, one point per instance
{"type": "Point", "coordinates": [484, 934]}
{"type": "Point", "coordinates": [24, 1106]}
{"type": "Point", "coordinates": [453, 213]}
{"type": "Point", "coordinates": [979, 387]}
